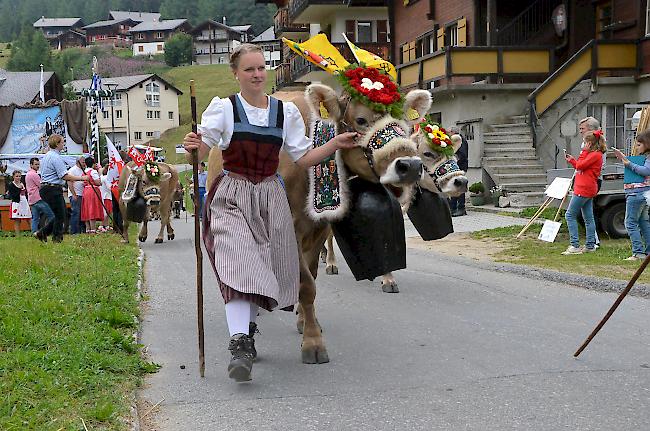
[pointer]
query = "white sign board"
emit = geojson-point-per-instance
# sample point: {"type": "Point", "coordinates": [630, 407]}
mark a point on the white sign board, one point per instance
{"type": "Point", "coordinates": [180, 149]}
{"type": "Point", "coordinates": [558, 188]}
{"type": "Point", "coordinates": [549, 230]}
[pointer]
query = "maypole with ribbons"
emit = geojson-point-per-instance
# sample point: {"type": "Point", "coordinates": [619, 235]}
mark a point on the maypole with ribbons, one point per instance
{"type": "Point", "coordinates": [94, 95]}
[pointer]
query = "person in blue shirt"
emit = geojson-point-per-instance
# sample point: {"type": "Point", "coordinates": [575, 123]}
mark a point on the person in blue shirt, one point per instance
{"type": "Point", "coordinates": [636, 207]}
{"type": "Point", "coordinates": [54, 174]}
{"type": "Point", "coordinates": [203, 179]}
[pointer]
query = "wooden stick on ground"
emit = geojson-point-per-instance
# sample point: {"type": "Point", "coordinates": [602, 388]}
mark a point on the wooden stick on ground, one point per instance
{"type": "Point", "coordinates": [614, 306]}
{"type": "Point", "coordinates": [541, 209]}
{"type": "Point", "coordinates": [197, 237]}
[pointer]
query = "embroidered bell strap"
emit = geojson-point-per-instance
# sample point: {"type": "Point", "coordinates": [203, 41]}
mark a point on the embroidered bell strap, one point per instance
{"type": "Point", "coordinates": [382, 136]}
{"type": "Point", "coordinates": [445, 169]}
{"type": "Point", "coordinates": [327, 191]}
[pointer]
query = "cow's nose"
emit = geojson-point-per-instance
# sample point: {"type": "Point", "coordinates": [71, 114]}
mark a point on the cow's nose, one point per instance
{"type": "Point", "coordinates": [461, 184]}
{"type": "Point", "coordinates": [409, 170]}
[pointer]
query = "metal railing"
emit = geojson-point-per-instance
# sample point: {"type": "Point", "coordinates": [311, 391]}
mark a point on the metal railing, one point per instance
{"type": "Point", "coordinates": [595, 56]}
{"type": "Point", "coordinates": [296, 7]}
{"type": "Point", "coordinates": [525, 25]}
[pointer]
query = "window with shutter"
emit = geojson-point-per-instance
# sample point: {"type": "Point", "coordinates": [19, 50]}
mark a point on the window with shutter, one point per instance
{"type": "Point", "coordinates": [350, 27]}
{"type": "Point", "coordinates": [382, 31]}
{"type": "Point", "coordinates": [440, 37]}
{"type": "Point", "coordinates": [462, 32]}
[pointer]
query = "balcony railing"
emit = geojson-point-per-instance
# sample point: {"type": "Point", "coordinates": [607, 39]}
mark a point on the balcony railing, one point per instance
{"type": "Point", "coordinates": [216, 38]}
{"type": "Point", "coordinates": [453, 61]}
{"type": "Point", "coordinates": [296, 7]}
{"type": "Point", "coordinates": [282, 23]}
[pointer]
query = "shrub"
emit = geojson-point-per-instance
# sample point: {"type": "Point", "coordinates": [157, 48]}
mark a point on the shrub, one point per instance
{"type": "Point", "coordinates": [477, 188]}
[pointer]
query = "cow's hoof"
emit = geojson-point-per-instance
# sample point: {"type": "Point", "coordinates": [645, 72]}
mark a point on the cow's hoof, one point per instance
{"type": "Point", "coordinates": [323, 255]}
{"type": "Point", "coordinates": [158, 241]}
{"type": "Point", "coordinates": [170, 237]}
{"type": "Point", "coordinates": [142, 238]}
{"type": "Point", "coordinates": [315, 355]}
{"type": "Point", "coordinates": [331, 270]}
{"type": "Point", "coordinates": [390, 287]}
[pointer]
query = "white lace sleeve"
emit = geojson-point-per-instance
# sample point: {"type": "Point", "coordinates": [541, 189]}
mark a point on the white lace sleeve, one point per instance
{"type": "Point", "coordinates": [217, 123]}
{"type": "Point", "coordinates": [296, 144]}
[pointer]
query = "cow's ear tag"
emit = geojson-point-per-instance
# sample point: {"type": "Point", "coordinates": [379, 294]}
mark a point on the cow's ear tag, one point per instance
{"type": "Point", "coordinates": [131, 186]}
{"type": "Point", "coordinates": [324, 114]}
{"type": "Point", "coordinates": [412, 114]}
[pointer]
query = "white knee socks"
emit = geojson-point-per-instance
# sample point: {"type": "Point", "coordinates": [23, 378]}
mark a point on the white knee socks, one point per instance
{"type": "Point", "coordinates": [239, 313]}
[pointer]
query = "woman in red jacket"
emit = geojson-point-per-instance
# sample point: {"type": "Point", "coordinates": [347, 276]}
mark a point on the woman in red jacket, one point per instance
{"type": "Point", "coordinates": [585, 187]}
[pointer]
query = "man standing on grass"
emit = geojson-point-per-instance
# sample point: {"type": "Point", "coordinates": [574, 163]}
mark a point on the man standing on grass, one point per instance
{"type": "Point", "coordinates": [75, 193]}
{"type": "Point", "coordinates": [54, 175]}
{"type": "Point", "coordinates": [37, 205]}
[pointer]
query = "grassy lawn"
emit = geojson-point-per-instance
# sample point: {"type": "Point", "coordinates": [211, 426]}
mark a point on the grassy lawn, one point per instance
{"type": "Point", "coordinates": [4, 55]}
{"type": "Point", "coordinates": [67, 312]}
{"type": "Point", "coordinates": [211, 80]}
{"type": "Point", "coordinates": [607, 261]}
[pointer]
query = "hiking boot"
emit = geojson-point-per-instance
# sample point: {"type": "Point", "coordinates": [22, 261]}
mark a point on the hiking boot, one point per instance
{"type": "Point", "coordinates": [588, 250]}
{"type": "Point", "coordinates": [241, 363]}
{"type": "Point", "coordinates": [252, 330]}
{"type": "Point", "coordinates": [40, 236]}
{"type": "Point", "coordinates": [572, 250]}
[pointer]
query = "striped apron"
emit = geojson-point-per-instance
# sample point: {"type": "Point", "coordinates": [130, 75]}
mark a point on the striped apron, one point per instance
{"type": "Point", "coordinates": [248, 228]}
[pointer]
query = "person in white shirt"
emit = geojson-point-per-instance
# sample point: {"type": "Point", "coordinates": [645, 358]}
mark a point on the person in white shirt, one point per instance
{"type": "Point", "coordinates": [249, 232]}
{"type": "Point", "coordinates": [75, 194]}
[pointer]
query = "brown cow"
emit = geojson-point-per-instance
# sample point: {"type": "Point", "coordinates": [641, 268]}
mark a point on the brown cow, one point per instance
{"type": "Point", "coordinates": [157, 195]}
{"type": "Point", "coordinates": [448, 184]}
{"type": "Point", "coordinates": [395, 165]}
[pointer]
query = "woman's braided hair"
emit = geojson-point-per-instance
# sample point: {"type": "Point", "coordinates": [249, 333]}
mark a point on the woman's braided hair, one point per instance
{"type": "Point", "coordinates": [242, 49]}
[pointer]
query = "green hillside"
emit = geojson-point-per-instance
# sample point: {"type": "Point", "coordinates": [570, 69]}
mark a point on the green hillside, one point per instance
{"type": "Point", "coordinates": [210, 81]}
{"type": "Point", "coordinates": [4, 55]}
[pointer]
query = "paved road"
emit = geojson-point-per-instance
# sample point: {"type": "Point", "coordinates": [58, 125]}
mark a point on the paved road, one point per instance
{"type": "Point", "coordinates": [459, 348]}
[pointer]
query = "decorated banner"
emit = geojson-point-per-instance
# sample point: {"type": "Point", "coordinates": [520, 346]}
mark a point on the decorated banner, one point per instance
{"type": "Point", "coordinates": [372, 60]}
{"type": "Point", "coordinates": [28, 137]}
{"type": "Point", "coordinates": [319, 51]}
{"type": "Point", "coordinates": [31, 128]}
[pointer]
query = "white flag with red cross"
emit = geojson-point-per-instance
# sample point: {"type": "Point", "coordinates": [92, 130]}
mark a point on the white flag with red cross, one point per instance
{"type": "Point", "coordinates": [115, 164]}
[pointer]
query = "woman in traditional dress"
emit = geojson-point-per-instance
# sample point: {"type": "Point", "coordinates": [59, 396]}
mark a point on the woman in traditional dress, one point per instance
{"type": "Point", "coordinates": [19, 206]}
{"type": "Point", "coordinates": [249, 232]}
{"type": "Point", "coordinates": [92, 210]}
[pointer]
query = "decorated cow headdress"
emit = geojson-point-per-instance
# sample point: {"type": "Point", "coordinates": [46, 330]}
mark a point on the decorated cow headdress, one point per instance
{"type": "Point", "coordinates": [371, 80]}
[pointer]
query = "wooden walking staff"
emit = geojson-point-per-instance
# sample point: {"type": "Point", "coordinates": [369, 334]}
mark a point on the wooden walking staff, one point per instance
{"type": "Point", "coordinates": [614, 306]}
{"type": "Point", "coordinates": [197, 237]}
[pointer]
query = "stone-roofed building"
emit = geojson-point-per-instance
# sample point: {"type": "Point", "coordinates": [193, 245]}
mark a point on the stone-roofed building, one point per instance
{"type": "Point", "coordinates": [214, 41]}
{"type": "Point", "coordinates": [116, 32]}
{"type": "Point", "coordinates": [246, 30]}
{"type": "Point", "coordinates": [144, 107]}
{"type": "Point", "coordinates": [54, 27]}
{"type": "Point", "coordinates": [135, 16]}
{"type": "Point", "coordinates": [272, 47]}
{"type": "Point", "coordinates": [21, 88]}
{"type": "Point", "coordinates": [149, 37]}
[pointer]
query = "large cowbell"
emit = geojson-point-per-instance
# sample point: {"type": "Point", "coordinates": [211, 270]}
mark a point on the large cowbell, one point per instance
{"type": "Point", "coordinates": [371, 236]}
{"type": "Point", "coordinates": [429, 213]}
{"type": "Point", "coordinates": [136, 209]}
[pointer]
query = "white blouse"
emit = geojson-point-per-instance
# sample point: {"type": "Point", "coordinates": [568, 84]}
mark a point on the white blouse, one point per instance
{"type": "Point", "coordinates": [217, 123]}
